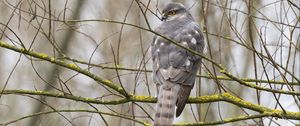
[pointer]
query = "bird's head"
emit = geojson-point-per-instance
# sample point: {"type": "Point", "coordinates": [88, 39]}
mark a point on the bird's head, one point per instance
{"type": "Point", "coordinates": [174, 11]}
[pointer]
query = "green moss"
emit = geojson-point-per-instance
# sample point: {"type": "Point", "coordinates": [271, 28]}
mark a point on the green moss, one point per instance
{"type": "Point", "coordinates": [106, 81]}
{"type": "Point", "coordinates": [60, 94]}
{"type": "Point", "coordinates": [52, 59]}
{"type": "Point", "coordinates": [120, 88]}
{"type": "Point", "coordinates": [276, 112]}
{"type": "Point", "coordinates": [140, 97]}
{"type": "Point", "coordinates": [22, 50]}
{"type": "Point", "coordinates": [222, 77]}
{"type": "Point", "coordinates": [223, 71]}
{"type": "Point", "coordinates": [181, 124]}
{"type": "Point", "coordinates": [88, 99]}
{"type": "Point", "coordinates": [147, 124]}
{"type": "Point", "coordinates": [43, 55]}
{"type": "Point", "coordinates": [73, 66]}
{"type": "Point", "coordinates": [227, 94]}
{"type": "Point", "coordinates": [39, 92]}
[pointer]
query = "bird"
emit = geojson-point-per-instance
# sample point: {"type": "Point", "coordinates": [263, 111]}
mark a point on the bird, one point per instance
{"type": "Point", "coordinates": [175, 68]}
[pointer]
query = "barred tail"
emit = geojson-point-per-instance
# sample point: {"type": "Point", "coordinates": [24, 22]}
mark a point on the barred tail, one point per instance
{"type": "Point", "coordinates": [165, 108]}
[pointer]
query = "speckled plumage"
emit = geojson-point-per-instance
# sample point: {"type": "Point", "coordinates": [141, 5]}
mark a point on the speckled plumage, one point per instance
{"type": "Point", "coordinates": [174, 68]}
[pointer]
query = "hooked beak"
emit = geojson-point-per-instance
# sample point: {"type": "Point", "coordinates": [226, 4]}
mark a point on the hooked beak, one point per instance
{"type": "Point", "coordinates": [164, 17]}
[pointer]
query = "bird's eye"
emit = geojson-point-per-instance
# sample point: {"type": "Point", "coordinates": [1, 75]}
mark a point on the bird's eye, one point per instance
{"type": "Point", "coordinates": [171, 13]}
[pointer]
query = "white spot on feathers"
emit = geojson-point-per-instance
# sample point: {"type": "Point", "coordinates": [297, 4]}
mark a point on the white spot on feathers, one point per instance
{"type": "Point", "coordinates": [193, 41]}
{"type": "Point", "coordinates": [155, 42]}
{"type": "Point", "coordinates": [188, 63]}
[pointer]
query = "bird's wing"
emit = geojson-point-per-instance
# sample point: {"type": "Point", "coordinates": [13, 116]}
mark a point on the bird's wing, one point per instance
{"type": "Point", "coordinates": [175, 65]}
{"type": "Point", "coordinates": [192, 38]}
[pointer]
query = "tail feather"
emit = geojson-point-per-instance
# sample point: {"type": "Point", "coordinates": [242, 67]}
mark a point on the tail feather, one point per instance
{"type": "Point", "coordinates": [183, 96]}
{"type": "Point", "coordinates": [165, 108]}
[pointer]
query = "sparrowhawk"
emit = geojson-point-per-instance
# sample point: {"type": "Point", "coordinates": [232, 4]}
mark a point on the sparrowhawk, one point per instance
{"type": "Point", "coordinates": [175, 68]}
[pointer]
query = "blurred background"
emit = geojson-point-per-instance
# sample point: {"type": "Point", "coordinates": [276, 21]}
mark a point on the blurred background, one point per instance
{"type": "Point", "coordinates": [255, 40]}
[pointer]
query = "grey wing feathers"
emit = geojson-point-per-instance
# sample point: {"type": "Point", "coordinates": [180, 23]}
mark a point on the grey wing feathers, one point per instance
{"type": "Point", "coordinates": [183, 60]}
{"type": "Point", "coordinates": [193, 39]}
{"type": "Point", "coordinates": [183, 95]}
{"type": "Point", "coordinates": [173, 65]}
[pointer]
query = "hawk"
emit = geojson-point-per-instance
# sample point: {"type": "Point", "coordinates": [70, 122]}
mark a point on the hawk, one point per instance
{"type": "Point", "coordinates": [175, 68]}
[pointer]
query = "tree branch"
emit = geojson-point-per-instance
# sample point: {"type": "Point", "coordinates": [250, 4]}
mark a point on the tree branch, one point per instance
{"type": "Point", "coordinates": [76, 110]}
{"type": "Point", "coordinates": [226, 97]}
{"type": "Point", "coordinates": [119, 67]}
{"type": "Point", "coordinates": [71, 66]}
{"type": "Point", "coordinates": [110, 84]}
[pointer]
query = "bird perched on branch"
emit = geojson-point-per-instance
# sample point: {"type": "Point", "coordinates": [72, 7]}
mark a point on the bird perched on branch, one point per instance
{"type": "Point", "coordinates": [175, 68]}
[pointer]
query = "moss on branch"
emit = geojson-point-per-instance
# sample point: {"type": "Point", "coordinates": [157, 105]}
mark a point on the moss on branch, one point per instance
{"type": "Point", "coordinates": [71, 66]}
{"type": "Point", "coordinates": [226, 97]}
{"type": "Point", "coordinates": [77, 110]}
{"type": "Point", "coordinates": [201, 76]}
{"type": "Point", "coordinates": [248, 84]}
{"type": "Point", "coordinates": [119, 89]}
